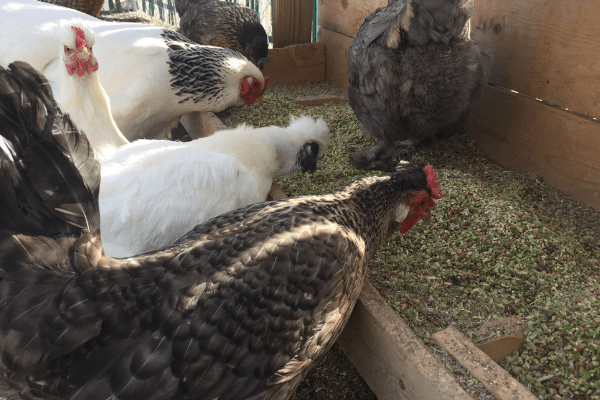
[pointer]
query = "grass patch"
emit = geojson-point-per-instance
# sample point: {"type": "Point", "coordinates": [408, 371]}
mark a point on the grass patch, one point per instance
{"type": "Point", "coordinates": [501, 244]}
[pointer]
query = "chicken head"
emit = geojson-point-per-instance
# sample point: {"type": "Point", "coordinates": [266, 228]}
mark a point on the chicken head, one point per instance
{"type": "Point", "coordinates": [252, 89]}
{"type": "Point", "coordinates": [80, 59]}
{"type": "Point", "coordinates": [420, 203]}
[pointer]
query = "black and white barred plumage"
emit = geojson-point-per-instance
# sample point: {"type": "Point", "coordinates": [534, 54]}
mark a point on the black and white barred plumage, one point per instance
{"type": "Point", "coordinates": [144, 77]}
{"type": "Point", "coordinates": [210, 66]}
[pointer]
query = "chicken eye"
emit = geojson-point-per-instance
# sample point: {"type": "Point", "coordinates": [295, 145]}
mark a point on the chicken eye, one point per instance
{"type": "Point", "coordinates": [67, 49]}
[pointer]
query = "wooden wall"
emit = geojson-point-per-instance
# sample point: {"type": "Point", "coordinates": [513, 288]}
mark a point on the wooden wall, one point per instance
{"type": "Point", "coordinates": [540, 112]}
{"type": "Point", "coordinates": [548, 52]}
{"type": "Point", "coordinates": [292, 22]}
{"type": "Point", "coordinates": [339, 21]}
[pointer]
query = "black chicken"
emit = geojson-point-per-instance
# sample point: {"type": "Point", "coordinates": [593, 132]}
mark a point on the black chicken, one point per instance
{"type": "Point", "coordinates": [223, 24]}
{"type": "Point", "coordinates": [239, 308]}
{"type": "Point", "coordinates": [413, 73]}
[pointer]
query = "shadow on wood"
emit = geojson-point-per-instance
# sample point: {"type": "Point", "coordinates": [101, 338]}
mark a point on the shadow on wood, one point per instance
{"type": "Point", "coordinates": [521, 133]}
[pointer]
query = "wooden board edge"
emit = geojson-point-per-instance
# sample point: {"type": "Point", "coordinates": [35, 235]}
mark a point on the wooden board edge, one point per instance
{"type": "Point", "coordinates": [390, 357]}
{"type": "Point", "coordinates": [201, 124]}
{"type": "Point", "coordinates": [495, 378]}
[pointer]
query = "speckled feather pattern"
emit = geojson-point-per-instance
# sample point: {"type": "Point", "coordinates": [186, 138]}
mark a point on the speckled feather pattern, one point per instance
{"type": "Point", "coordinates": [208, 63]}
{"type": "Point", "coordinates": [243, 303]}
{"type": "Point", "coordinates": [239, 308]}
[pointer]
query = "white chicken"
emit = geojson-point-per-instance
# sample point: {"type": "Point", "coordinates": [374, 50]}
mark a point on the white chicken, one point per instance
{"type": "Point", "coordinates": [154, 191]}
{"type": "Point", "coordinates": [152, 75]}
{"type": "Point", "coordinates": [76, 84]}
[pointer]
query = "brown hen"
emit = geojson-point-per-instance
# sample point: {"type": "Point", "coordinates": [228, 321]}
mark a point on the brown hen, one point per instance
{"type": "Point", "coordinates": [241, 307]}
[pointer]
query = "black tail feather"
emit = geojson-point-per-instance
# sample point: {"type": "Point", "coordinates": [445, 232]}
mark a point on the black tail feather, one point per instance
{"type": "Point", "coordinates": [49, 176]}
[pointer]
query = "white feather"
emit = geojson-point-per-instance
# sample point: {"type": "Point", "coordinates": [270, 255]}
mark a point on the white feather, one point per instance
{"type": "Point", "coordinates": [153, 191]}
{"type": "Point", "coordinates": [83, 97]}
{"type": "Point", "coordinates": [133, 61]}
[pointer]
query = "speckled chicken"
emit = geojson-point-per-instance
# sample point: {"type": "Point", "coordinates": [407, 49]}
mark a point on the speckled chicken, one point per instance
{"type": "Point", "coordinates": [413, 73]}
{"type": "Point", "coordinates": [223, 24]}
{"type": "Point", "coordinates": [241, 307]}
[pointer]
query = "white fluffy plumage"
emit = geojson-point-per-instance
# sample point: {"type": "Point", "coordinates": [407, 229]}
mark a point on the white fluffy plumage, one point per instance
{"type": "Point", "coordinates": [154, 191]}
{"type": "Point", "coordinates": [152, 75]}
{"type": "Point", "coordinates": [82, 97]}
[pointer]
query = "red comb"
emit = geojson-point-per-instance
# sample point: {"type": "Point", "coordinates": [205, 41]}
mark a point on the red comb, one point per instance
{"type": "Point", "coordinates": [432, 184]}
{"type": "Point", "coordinates": [80, 42]}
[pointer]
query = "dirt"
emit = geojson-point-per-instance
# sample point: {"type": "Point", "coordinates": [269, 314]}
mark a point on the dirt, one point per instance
{"type": "Point", "coordinates": [334, 378]}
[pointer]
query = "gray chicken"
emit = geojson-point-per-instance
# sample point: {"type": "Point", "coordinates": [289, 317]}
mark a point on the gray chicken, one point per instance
{"type": "Point", "coordinates": [223, 24]}
{"type": "Point", "coordinates": [413, 73]}
{"type": "Point", "coordinates": [241, 307]}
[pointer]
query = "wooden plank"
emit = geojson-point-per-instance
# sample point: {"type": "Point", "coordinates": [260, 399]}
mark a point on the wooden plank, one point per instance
{"type": "Point", "coordinates": [336, 56]}
{"type": "Point", "coordinates": [346, 16]}
{"type": "Point", "coordinates": [201, 124]}
{"type": "Point", "coordinates": [495, 379]}
{"type": "Point", "coordinates": [546, 49]}
{"type": "Point", "coordinates": [390, 357]}
{"type": "Point", "coordinates": [297, 64]}
{"type": "Point", "coordinates": [292, 22]}
{"type": "Point", "coordinates": [276, 193]}
{"type": "Point", "coordinates": [500, 348]}
{"type": "Point", "coordinates": [313, 101]}
{"type": "Point", "coordinates": [523, 134]}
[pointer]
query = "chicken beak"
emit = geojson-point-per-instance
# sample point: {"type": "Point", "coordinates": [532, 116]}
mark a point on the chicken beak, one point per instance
{"type": "Point", "coordinates": [84, 54]}
{"type": "Point", "coordinates": [260, 100]}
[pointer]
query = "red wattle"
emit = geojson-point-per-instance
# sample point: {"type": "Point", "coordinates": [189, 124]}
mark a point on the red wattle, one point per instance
{"type": "Point", "coordinates": [266, 84]}
{"type": "Point", "coordinates": [409, 223]}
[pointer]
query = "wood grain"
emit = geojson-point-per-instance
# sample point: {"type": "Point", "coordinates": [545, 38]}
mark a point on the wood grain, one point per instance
{"type": "Point", "coordinates": [345, 16]}
{"type": "Point", "coordinates": [523, 134]}
{"type": "Point", "coordinates": [296, 64]}
{"type": "Point", "coordinates": [336, 56]}
{"type": "Point", "coordinates": [390, 357]}
{"type": "Point", "coordinates": [495, 378]}
{"type": "Point", "coordinates": [546, 49]}
{"type": "Point", "coordinates": [292, 22]}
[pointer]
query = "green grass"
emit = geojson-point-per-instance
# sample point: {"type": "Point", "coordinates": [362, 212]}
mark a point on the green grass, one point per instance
{"type": "Point", "coordinates": [500, 244]}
